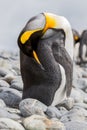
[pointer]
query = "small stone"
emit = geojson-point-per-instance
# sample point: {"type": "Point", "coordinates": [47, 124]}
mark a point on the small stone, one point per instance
{"type": "Point", "coordinates": [77, 95]}
{"type": "Point", "coordinates": [68, 103]}
{"type": "Point", "coordinates": [9, 124]}
{"type": "Point", "coordinates": [2, 104]}
{"type": "Point", "coordinates": [53, 112]}
{"type": "Point", "coordinates": [85, 100]}
{"type": "Point", "coordinates": [31, 106]}
{"type": "Point", "coordinates": [11, 97]}
{"type": "Point", "coordinates": [81, 83]}
{"type": "Point", "coordinates": [17, 83]}
{"type": "Point", "coordinates": [6, 114]}
{"type": "Point", "coordinates": [63, 110]}
{"type": "Point", "coordinates": [76, 125]}
{"type": "Point", "coordinates": [8, 78]}
{"type": "Point", "coordinates": [4, 84]}
{"type": "Point", "coordinates": [36, 122]}
{"type": "Point", "coordinates": [84, 74]}
{"type": "Point", "coordinates": [76, 114]}
{"type": "Point", "coordinates": [13, 110]}
{"type": "Point", "coordinates": [3, 71]}
{"type": "Point", "coordinates": [81, 105]}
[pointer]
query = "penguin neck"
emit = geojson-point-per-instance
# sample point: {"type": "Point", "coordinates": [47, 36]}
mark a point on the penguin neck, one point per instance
{"type": "Point", "coordinates": [46, 57]}
{"type": "Point", "coordinates": [69, 43]}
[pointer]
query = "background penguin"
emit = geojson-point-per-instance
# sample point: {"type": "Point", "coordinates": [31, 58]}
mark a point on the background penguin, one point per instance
{"type": "Point", "coordinates": [46, 54]}
{"type": "Point", "coordinates": [76, 36]}
{"type": "Point", "coordinates": [83, 41]}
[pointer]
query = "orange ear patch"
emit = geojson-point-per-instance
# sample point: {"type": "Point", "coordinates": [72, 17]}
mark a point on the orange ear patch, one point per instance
{"type": "Point", "coordinates": [26, 35]}
{"type": "Point", "coordinates": [76, 37]}
{"type": "Point", "coordinates": [50, 22]}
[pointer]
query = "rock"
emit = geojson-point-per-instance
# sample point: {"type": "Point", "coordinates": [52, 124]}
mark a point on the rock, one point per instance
{"type": "Point", "coordinates": [76, 125]}
{"type": "Point", "coordinates": [31, 106]}
{"type": "Point", "coordinates": [4, 84]}
{"type": "Point", "coordinates": [63, 110]}
{"type": "Point", "coordinates": [16, 68]}
{"type": "Point", "coordinates": [5, 63]}
{"type": "Point", "coordinates": [15, 96]}
{"type": "Point", "coordinates": [85, 100]}
{"type": "Point", "coordinates": [3, 71]}
{"type": "Point", "coordinates": [77, 72]}
{"type": "Point", "coordinates": [81, 105]}
{"type": "Point", "coordinates": [67, 103]}
{"type": "Point", "coordinates": [9, 124]}
{"type": "Point", "coordinates": [17, 83]}
{"type": "Point", "coordinates": [53, 112]}
{"type": "Point", "coordinates": [5, 55]}
{"type": "Point", "coordinates": [78, 95]}
{"type": "Point", "coordinates": [36, 122]}
{"type": "Point", "coordinates": [2, 104]}
{"type": "Point", "coordinates": [81, 83]}
{"type": "Point", "coordinates": [8, 78]}
{"type": "Point", "coordinates": [13, 110]}
{"type": "Point", "coordinates": [86, 90]}
{"type": "Point", "coordinates": [76, 114]}
{"type": "Point", "coordinates": [84, 74]}
{"type": "Point", "coordinates": [6, 114]}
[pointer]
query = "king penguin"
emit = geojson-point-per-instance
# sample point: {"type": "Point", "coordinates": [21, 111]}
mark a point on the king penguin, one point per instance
{"type": "Point", "coordinates": [76, 36]}
{"type": "Point", "coordinates": [46, 58]}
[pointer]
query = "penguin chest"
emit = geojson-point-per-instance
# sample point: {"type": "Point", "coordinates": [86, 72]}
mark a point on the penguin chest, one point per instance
{"type": "Point", "coordinates": [60, 93]}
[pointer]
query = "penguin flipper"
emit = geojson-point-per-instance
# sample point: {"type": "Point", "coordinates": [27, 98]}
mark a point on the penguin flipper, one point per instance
{"type": "Point", "coordinates": [63, 58]}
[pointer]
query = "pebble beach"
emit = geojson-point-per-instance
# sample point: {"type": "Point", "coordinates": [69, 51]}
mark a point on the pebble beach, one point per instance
{"type": "Point", "coordinates": [31, 114]}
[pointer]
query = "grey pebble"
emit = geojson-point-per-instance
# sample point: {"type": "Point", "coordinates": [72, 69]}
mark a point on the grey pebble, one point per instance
{"type": "Point", "coordinates": [10, 96]}
{"type": "Point", "coordinates": [2, 104]}
{"type": "Point", "coordinates": [4, 84]}
{"type": "Point", "coordinates": [76, 125]}
{"type": "Point", "coordinates": [6, 114]}
{"type": "Point", "coordinates": [17, 83]}
{"type": "Point", "coordinates": [31, 106]}
{"type": "Point", "coordinates": [81, 83]}
{"type": "Point", "coordinates": [8, 78]}
{"type": "Point", "coordinates": [81, 105]}
{"type": "Point", "coordinates": [76, 114]}
{"type": "Point", "coordinates": [37, 122]}
{"type": "Point", "coordinates": [3, 71]}
{"type": "Point", "coordinates": [9, 124]}
{"type": "Point", "coordinates": [78, 95]}
{"type": "Point", "coordinates": [53, 112]}
{"type": "Point", "coordinates": [67, 103]}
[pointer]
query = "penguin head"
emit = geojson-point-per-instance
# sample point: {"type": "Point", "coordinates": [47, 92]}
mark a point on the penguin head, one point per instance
{"type": "Point", "coordinates": [30, 34]}
{"type": "Point", "coordinates": [36, 28]}
{"type": "Point", "coordinates": [33, 31]}
{"type": "Point", "coordinates": [76, 36]}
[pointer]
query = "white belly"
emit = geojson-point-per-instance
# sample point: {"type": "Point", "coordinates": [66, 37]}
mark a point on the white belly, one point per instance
{"type": "Point", "coordinates": [60, 94]}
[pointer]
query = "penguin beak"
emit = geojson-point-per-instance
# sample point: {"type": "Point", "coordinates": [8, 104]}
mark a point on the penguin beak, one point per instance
{"type": "Point", "coordinates": [36, 57]}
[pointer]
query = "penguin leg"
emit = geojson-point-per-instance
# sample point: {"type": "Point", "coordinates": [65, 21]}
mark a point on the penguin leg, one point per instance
{"type": "Point", "coordinates": [86, 51]}
{"type": "Point", "coordinates": [63, 58]}
{"type": "Point", "coordinates": [81, 52]}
